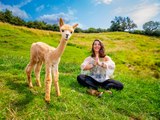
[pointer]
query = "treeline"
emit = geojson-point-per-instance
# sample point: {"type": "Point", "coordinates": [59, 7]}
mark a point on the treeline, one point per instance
{"type": "Point", "coordinates": [8, 17]}
{"type": "Point", "coordinates": [126, 24]}
{"type": "Point", "coordinates": [91, 30]}
{"type": "Point", "coordinates": [151, 28]}
{"type": "Point", "coordinates": [118, 24]}
{"type": "Point", "coordinates": [122, 24]}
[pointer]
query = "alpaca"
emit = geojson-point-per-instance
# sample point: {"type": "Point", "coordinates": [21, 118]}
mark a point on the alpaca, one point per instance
{"type": "Point", "coordinates": [42, 53]}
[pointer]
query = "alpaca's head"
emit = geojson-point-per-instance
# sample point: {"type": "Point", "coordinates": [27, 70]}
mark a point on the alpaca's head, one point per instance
{"type": "Point", "coordinates": [66, 30]}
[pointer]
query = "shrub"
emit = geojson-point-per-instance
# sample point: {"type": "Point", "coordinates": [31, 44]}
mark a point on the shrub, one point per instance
{"type": "Point", "coordinates": [137, 32]}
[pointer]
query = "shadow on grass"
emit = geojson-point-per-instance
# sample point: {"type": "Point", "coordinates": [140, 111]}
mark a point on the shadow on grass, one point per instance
{"type": "Point", "coordinates": [25, 94]}
{"type": "Point", "coordinates": [77, 87]}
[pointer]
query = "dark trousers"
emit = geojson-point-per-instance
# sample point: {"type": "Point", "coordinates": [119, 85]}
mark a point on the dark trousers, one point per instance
{"type": "Point", "coordinates": [89, 82]}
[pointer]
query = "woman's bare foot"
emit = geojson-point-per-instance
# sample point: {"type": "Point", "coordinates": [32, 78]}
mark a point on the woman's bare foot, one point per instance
{"type": "Point", "coordinates": [94, 92]}
{"type": "Point", "coordinates": [108, 91]}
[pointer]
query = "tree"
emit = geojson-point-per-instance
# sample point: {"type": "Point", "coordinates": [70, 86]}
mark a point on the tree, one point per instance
{"type": "Point", "coordinates": [152, 28]}
{"type": "Point", "coordinates": [116, 24]}
{"type": "Point", "coordinates": [122, 24]}
{"type": "Point", "coordinates": [8, 16]}
{"type": "Point", "coordinates": [55, 27]}
{"type": "Point", "coordinates": [78, 30]}
{"type": "Point", "coordinates": [30, 24]}
{"type": "Point", "coordinates": [17, 21]}
{"type": "Point", "coordinates": [49, 27]}
{"type": "Point", "coordinates": [101, 30]}
{"type": "Point", "coordinates": [130, 24]}
{"type": "Point", "coordinates": [2, 16]}
{"type": "Point", "coordinates": [92, 30]}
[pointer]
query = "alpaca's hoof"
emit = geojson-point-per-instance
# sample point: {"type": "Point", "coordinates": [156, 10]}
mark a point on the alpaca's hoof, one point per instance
{"type": "Point", "coordinates": [39, 85]}
{"type": "Point", "coordinates": [47, 100]}
{"type": "Point", "coordinates": [58, 94]}
{"type": "Point", "coordinates": [30, 85]}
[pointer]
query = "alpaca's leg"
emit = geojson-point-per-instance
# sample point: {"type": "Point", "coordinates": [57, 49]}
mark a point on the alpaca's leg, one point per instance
{"type": "Point", "coordinates": [48, 81]}
{"type": "Point", "coordinates": [29, 71]}
{"type": "Point", "coordinates": [37, 73]}
{"type": "Point", "coordinates": [56, 78]}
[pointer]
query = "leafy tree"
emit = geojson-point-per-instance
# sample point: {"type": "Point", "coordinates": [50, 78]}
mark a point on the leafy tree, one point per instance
{"type": "Point", "coordinates": [122, 24]}
{"type": "Point", "coordinates": [17, 21]}
{"type": "Point", "coordinates": [130, 24]}
{"type": "Point", "coordinates": [30, 24]}
{"type": "Point", "coordinates": [101, 30]}
{"type": "Point", "coordinates": [49, 27]}
{"type": "Point", "coordinates": [78, 30]}
{"type": "Point", "coordinates": [151, 26]}
{"type": "Point", "coordinates": [92, 30]}
{"type": "Point", "coordinates": [55, 27]}
{"type": "Point", "coordinates": [156, 33]}
{"type": "Point", "coordinates": [115, 25]}
{"type": "Point", "coordinates": [2, 16]}
{"type": "Point", "coordinates": [8, 16]}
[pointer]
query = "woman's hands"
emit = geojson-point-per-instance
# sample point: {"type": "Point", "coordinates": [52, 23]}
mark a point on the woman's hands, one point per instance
{"type": "Point", "coordinates": [97, 61]}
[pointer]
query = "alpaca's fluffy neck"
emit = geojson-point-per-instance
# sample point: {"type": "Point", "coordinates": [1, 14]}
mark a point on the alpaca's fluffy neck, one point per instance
{"type": "Point", "coordinates": [60, 49]}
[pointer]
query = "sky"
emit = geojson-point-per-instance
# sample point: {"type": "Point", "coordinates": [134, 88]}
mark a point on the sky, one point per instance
{"type": "Point", "coordinates": [87, 13]}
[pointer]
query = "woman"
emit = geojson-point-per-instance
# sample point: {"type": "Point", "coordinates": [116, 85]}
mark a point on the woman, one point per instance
{"type": "Point", "coordinates": [97, 70]}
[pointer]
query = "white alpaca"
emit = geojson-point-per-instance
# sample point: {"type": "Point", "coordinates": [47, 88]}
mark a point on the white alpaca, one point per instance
{"type": "Point", "coordinates": [43, 53]}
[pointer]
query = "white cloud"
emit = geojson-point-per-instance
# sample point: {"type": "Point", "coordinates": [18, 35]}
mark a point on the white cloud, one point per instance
{"type": "Point", "coordinates": [145, 13]}
{"type": "Point", "coordinates": [103, 1]}
{"type": "Point", "coordinates": [16, 9]}
{"type": "Point", "coordinates": [23, 3]}
{"type": "Point", "coordinates": [54, 18]}
{"type": "Point", "coordinates": [18, 12]}
{"type": "Point", "coordinates": [141, 13]}
{"type": "Point", "coordinates": [68, 17]}
{"type": "Point", "coordinates": [39, 8]}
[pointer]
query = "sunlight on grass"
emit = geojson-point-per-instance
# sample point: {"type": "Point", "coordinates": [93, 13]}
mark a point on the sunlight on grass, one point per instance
{"type": "Point", "coordinates": [137, 66]}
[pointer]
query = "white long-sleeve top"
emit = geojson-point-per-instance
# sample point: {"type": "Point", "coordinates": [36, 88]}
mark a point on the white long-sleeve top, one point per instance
{"type": "Point", "coordinates": [99, 73]}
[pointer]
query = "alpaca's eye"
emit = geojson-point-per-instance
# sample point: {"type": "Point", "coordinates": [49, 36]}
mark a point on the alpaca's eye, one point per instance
{"type": "Point", "coordinates": [71, 32]}
{"type": "Point", "coordinates": [62, 30]}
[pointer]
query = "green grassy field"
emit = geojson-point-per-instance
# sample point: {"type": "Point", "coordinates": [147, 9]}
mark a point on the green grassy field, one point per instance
{"type": "Point", "coordinates": [137, 59]}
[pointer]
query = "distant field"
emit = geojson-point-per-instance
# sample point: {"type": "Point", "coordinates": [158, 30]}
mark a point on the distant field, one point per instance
{"type": "Point", "coordinates": [137, 59]}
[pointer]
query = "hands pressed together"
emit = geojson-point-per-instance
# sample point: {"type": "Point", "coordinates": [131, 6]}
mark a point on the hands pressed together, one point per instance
{"type": "Point", "coordinates": [97, 62]}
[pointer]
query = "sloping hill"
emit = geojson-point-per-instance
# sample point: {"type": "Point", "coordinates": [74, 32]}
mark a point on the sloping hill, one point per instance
{"type": "Point", "coordinates": [137, 59]}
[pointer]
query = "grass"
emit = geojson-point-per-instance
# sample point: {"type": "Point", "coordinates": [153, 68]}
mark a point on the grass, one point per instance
{"type": "Point", "coordinates": [137, 66]}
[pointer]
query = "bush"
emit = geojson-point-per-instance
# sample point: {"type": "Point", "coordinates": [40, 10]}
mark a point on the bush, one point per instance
{"type": "Point", "coordinates": [156, 33]}
{"type": "Point", "coordinates": [137, 32]}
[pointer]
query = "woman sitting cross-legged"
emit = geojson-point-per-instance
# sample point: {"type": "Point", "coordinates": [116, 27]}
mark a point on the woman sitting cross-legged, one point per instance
{"type": "Point", "coordinates": [97, 70]}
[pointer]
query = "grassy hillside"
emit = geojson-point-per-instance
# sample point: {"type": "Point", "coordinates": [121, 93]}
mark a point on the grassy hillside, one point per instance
{"type": "Point", "coordinates": [137, 59]}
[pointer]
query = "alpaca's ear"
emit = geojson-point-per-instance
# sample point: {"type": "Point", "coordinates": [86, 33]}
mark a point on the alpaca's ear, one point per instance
{"type": "Point", "coordinates": [61, 22]}
{"type": "Point", "coordinates": [74, 26]}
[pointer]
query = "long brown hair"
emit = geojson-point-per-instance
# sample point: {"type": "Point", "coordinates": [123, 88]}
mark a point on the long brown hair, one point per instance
{"type": "Point", "coordinates": [101, 51]}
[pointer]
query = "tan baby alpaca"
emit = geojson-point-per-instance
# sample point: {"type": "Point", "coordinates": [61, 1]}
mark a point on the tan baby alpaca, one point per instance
{"type": "Point", "coordinates": [50, 56]}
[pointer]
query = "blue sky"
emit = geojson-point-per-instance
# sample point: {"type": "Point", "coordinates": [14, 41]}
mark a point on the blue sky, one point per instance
{"type": "Point", "coordinates": [87, 13]}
